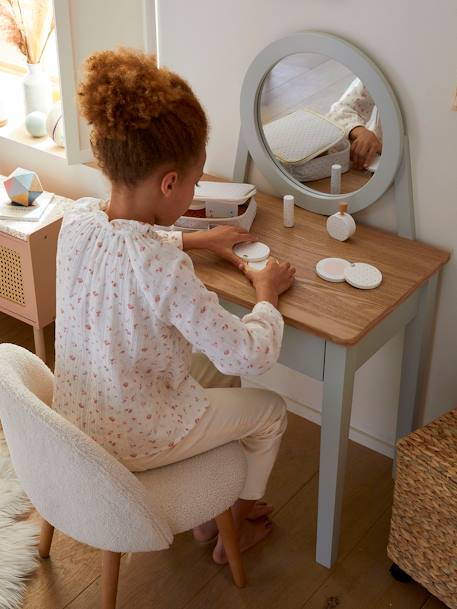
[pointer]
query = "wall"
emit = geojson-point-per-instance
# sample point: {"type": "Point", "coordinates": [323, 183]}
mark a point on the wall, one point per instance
{"type": "Point", "coordinates": [212, 42]}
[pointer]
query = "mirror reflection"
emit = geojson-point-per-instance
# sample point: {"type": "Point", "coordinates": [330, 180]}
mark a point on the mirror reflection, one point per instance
{"type": "Point", "coordinates": [321, 123]}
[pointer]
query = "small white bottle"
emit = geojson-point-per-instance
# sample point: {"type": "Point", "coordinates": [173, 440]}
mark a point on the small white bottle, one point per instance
{"type": "Point", "coordinates": [341, 225]}
{"type": "Point", "coordinates": [335, 180]}
{"type": "Point", "coordinates": [288, 211]}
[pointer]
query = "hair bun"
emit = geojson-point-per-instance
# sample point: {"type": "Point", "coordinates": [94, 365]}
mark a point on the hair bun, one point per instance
{"type": "Point", "coordinates": [125, 90]}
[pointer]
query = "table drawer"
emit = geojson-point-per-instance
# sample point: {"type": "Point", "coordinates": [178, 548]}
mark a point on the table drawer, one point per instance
{"type": "Point", "coordinates": [300, 351]}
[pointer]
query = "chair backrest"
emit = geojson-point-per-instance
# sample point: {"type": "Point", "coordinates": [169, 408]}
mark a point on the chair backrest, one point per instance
{"type": "Point", "coordinates": [72, 481]}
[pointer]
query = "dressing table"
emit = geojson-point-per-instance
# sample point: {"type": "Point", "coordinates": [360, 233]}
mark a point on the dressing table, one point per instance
{"type": "Point", "coordinates": [332, 329]}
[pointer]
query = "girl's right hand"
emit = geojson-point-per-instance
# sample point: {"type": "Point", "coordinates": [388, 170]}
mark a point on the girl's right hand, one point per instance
{"type": "Point", "coordinates": [273, 280]}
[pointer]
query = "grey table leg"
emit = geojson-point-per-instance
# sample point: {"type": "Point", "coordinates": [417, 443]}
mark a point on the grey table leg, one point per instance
{"type": "Point", "coordinates": [416, 352]}
{"type": "Point", "coordinates": [339, 374]}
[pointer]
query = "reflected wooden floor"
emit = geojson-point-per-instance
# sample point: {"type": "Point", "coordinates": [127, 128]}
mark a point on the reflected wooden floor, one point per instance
{"type": "Point", "coordinates": [282, 573]}
{"type": "Point", "coordinates": [303, 80]}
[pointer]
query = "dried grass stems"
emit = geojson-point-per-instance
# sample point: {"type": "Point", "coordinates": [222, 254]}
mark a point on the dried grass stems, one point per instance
{"type": "Point", "coordinates": [29, 31]}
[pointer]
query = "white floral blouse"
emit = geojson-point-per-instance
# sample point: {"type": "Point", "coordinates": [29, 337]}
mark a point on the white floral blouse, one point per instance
{"type": "Point", "coordinates": [129, 310]}
{"type": "Point", "coordinates": [356, 108]}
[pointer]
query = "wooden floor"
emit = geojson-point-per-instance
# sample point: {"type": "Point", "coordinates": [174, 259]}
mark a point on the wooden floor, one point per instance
{"type": "Point", "coordinates": [282, 572]}
{"type": "Point", "coordinates": [303, 80]}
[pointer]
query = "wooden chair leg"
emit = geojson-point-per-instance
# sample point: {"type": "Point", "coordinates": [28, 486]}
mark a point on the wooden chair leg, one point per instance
{"type": "Point", "coordinates": [47, 532]}
{"type": "Point", "coordinates": [40, 344]}
{"type": "Point", "coordinates": [110, 577]}
{"type": "Point", "coordinates": [229, 536]}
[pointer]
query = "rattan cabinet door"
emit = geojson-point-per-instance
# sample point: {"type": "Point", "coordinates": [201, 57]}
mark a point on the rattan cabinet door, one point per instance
{"type": "Point", "coordinates": [17, 294]}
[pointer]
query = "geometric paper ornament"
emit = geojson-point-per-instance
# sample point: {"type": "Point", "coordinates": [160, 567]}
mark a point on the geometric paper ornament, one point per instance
{"type": "Point", "coordinates": [23, 186]}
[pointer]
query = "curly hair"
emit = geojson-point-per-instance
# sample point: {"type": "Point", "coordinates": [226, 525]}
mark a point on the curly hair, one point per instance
{"type": "Point", "coordinates": [141, 116]}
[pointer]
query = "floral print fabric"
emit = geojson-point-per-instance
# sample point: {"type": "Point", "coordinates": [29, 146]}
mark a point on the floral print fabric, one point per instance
{"type": "Point", "coordinates": [130, 309]}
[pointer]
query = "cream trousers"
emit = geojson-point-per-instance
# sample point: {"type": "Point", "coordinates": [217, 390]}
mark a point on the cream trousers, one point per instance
{"type": "Point", "coordinates": [255, 417]}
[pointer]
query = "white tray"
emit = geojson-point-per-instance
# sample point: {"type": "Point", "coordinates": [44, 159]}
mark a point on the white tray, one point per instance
{"type": "Point", "coordinates": [244, 221]}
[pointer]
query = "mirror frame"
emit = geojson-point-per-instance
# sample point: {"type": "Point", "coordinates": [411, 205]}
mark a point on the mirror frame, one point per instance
{"type": "Point", "coordinates": [362, 67]}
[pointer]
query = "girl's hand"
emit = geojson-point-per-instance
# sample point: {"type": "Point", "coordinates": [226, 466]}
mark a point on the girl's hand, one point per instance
{"type": "Point", "coordinates": [273, 280]}
{"type": "Point", "coordinates": [364, 148]}
{"type": "Point", "coordinates": [221, 240]}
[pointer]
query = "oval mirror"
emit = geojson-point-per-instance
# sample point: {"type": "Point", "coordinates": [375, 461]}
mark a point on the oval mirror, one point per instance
{"type": "Point", "coordinates": [317, 117]}
{"type": "Point", "coordinates": [313, 105]}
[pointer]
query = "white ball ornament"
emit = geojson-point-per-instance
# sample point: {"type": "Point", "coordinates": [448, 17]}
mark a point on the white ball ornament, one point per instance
{"type": "Point", "coordinates": [35, 123]}
{"type": "Point", "coordinates": [54, 125]}
{"type": "Point", "coordinates": [341, 225]}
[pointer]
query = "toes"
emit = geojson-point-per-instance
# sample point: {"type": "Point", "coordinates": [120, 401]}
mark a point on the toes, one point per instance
{"type": "Point", "coordinates": [266, 522]}
{"type": "Point", "coordinates": [251, 534]}
{"type": "Point", "coordinates": [261, 508]}
{"type": "Point", "coordinates": [263, 519]}
{"type": "Point", "coordinates": [220, 558]}
{"type": "Point", "coordinates": [206, 532]}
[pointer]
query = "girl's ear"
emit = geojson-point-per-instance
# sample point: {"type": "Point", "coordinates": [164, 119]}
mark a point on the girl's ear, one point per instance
{"type": "Point", "coordinates": [168, 183]}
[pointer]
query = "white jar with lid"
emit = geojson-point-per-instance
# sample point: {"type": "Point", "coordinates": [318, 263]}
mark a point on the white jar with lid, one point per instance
{"type": "Point", "coordinates": [341, 225]}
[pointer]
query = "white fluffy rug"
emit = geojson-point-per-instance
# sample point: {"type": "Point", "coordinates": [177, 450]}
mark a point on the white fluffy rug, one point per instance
{"type": "Point", "coordinates": [18, 538]}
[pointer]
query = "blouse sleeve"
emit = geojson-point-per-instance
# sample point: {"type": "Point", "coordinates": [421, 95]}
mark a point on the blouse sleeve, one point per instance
{"type": "Point", "coordinates": [354, 108]}
{"type": "Point", "coordinates": [173, 237]}
{"type": "Point", "coordinates": [247, 346]}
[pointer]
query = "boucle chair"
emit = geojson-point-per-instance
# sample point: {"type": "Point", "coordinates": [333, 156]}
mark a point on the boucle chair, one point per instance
{"type": "Point", "coordinates": [80, 489]}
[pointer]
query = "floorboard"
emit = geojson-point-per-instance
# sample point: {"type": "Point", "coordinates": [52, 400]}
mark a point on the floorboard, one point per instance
{"type": "Point", "coordinates": [363, 580]}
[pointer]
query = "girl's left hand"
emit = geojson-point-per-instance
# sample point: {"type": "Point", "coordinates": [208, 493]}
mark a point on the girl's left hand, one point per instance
{"type": "Point", "coordinates": [221, 240]}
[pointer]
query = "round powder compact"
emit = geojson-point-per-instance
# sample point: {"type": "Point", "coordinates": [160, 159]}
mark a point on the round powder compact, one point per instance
{"type": "Point", "coordinates": [252, 252]}
{"type": "Point", "coordinates": [363, 276]}
{"type": "Point", "coordinates": [258, 266]}
{"type": "Point", "coordinates": [332, 269]}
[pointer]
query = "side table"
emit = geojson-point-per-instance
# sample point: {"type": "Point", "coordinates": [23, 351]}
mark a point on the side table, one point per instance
{"type": "Point", "coordinates": [28, 268]}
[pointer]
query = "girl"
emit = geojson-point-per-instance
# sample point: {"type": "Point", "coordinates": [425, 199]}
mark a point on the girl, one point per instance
{"type": "Point", "coordinates": [130, 307]}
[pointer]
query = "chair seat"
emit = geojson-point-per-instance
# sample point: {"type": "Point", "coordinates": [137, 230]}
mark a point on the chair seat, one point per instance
{"type": "Point", "coordinates": [193, 491]}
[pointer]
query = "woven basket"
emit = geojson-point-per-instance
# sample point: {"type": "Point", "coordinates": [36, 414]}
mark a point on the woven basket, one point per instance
{"type": "Point", "coordinates": [423, 535]}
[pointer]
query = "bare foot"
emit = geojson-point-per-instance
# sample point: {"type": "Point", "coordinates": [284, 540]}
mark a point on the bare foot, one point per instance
{"type": "Point", "coordinates": [206, 532]}
{"type": "Point", "coordinates": [259, 509]}
{"type": "Point", "coordinates": [251, 533]}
